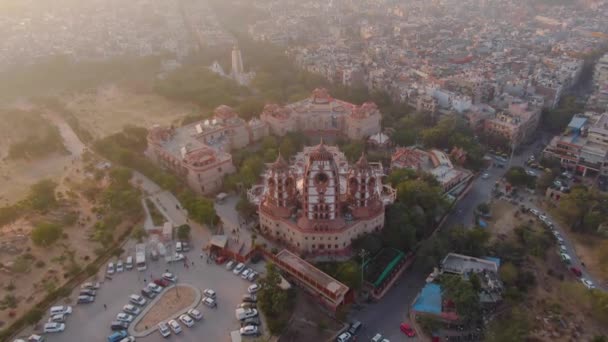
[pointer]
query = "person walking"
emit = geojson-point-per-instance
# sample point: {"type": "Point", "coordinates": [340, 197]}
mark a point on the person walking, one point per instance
{"type": "Point", "coordinates": [105, 307]}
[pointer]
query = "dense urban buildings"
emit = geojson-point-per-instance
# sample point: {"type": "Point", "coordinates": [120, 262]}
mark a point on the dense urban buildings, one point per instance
{"type": "Point", "coordinates": [200, 152]}
{"type": "Point", "coordinates": [321, 114]}
{"type": "Point", "coordinates": [583, 147]}
{"type": "Point", "coordinates": [319, 203]}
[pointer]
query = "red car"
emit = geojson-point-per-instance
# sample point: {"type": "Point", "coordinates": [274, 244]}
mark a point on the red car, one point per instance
{"type": "Point", "coordinates": [406, 329]}
{"type": "Point", "coordinates": [576, 271]}
{"type": "Point", "coordinates": [162, 282]}
{"type": "Point", "coordinates": [220, 259]}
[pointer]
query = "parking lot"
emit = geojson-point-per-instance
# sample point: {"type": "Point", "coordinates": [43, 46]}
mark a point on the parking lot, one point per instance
{"type": "Point", "coordinates": [91, 322]}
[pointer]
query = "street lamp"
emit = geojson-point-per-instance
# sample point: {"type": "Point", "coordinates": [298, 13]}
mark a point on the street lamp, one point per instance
{"type": "Point", "coordinates": [363, 253]}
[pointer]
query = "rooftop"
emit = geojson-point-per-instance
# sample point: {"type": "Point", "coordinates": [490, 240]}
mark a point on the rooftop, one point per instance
{"type": "Point", "coordinates": [461, 264]}
{"type": "Point", "coordinates": [320, 278]}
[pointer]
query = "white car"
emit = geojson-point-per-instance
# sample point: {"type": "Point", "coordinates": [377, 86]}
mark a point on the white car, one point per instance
{"type": "Point", "coordinates": [60, 309]}
{"type": "Point", "coordinates": [253, 288]}
{"type": "Point", "coordinates": [344, 337]}
{"type": "Point", "coordinates": [58, 318]}
{"type": "Point", "coordinates": [229, 265]}
{"type": "Point", "coordinates": [377, 338]}
{"type": "Point", "coordinates": [252, 276]}
{"type": "Point", "coordinates": [588, 283]}
{"type": "Point", "coordinates": [170, 277]}
{"type": "Point", "coordinates": [163, 329]}
{"type": "Point", "coordinates": [209, 293]}
{"type": "Point", "coordinates": [154, 287]}
{"type": "Point", "coordinates": [131, 309]}
{"type": "Point", "coordinates": [246, 273]}
{"type": "Point", "coordinates": [129, 263]}
{"type": "Point", "coordinates": [543, 218]}
{"type": "Point", "coordinates": [90, 286]}
{"type": "Point", "coordinates": [250, 330]}
{"type": "Point", "coordinates": [563, 249]}
{"type": "Point", "coordinates": [119, 266]}
{"type": "Point", "coordinates": [137, 300]}
{"type": "Point", "coordinates": [132, 339]}
{"type": "Point", "coordinates": [485, 176]}
{"type": "Point", "coordinates": [175, 326]}
{"type": "Point", "coordinates": [110, 268]}
{"type": "Point", "coordinates": [194, 313]}
{"type": "Point", "coordinates": [123, 317]}
{"type": "Point", "coordinates": [239, 268]}
{"type": "Point", "coordinates": [210, 302]}
{"type": "Point", "coordinates": [187, 320]}
{"type": "Point", "coordinates": [53, 327]}
{"type": "Point", "coordinates": [535, 212]}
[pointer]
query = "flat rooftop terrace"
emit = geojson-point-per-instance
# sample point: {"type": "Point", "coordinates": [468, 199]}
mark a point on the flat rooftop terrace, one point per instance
{"type": "Point", "coordinates": [460, 264]}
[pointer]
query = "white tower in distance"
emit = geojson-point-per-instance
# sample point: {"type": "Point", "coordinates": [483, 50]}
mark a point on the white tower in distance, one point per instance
{"type": "Point", "coordinates": [237, 62]}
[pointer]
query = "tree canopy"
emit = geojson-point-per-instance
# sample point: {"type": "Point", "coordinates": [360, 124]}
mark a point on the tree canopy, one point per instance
{"type": "Point", "coordinates": [45, 234]}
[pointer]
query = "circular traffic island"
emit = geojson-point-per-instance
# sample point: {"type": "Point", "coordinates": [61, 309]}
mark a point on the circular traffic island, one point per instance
{"type": "Point", "coordinates": [169, 304]}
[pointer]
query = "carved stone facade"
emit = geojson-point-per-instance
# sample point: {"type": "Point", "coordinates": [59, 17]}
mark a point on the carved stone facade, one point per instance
{"type": "Point", "coordinates": [319, 204]}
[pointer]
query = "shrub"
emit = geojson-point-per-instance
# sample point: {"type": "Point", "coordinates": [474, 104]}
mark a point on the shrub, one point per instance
{"type": "Point", "coordinates": [45, 234]}
{"type": "Point", "coordinates": [40, 264]}
{"type": "Point", "coordinates": [33, 316]}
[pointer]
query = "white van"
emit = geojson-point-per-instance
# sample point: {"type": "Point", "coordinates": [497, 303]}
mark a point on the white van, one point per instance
{"type": "Point", "coordinates": [60, 310]}
{"type": "Point", "coordinates": [129, 263]}
{"type": "Point", "coordinates": [178, 246]}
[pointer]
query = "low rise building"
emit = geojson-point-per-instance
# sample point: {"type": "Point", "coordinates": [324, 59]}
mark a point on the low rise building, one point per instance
{"type": "Point", "coordinates": [434, 162]}
{"type": "Point", "coordinates": [516, 120]}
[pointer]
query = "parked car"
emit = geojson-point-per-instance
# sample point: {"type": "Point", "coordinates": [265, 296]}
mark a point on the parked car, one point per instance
{"type": "Point", "coordinates": [344, 337]}
{"type": "Point", "coordinates": [220, 259]}
{"type": "Point", "coordinates": [577, 272]}
{"type": "Point", "coordinates": [250, 330]}
{"type": "Point", "coordinates": [175, 326]}
{"type": "Point", "coordinates": [85, 299]}
{"type": "Point", "coordinates": [355, 327]}
{"type": "Point", "coordinates": [163, 329]}
{"type": "Point", "coordinates": [229, 265]}
{"type": "Point", "coordinates": [123, 317]}
{"type": "Point", "coordinates": [162, 282]}
{"type": "Point", "coordinates": [87, 292]}
{"type": "Point", "coordinates": [194, 313]}
{"type": "Point", "coordinates": [35, 338]}
{"type": "Point", "coordinates": [485, 176]}
{"type": "Point", "coordinates": [250, 321]}
{"type": "Point", "coordinates": [110, 269]}
{"type": "Point", "coordinates": [60, 309]}
{"type": "Point", "coordinates": [178, 246]}
{"type": "Point", "coordinates": [90, 286]}
{"type": "Point", "coordinates": [146, 292]}
{"type": "Point", "coordinates": [131, 309]}
{"type": "Point", "coordinates": [60, 318]}
{"type": "Point", "coordinates": [209, 293]}
{"type": "Point", "coordinates": [170, 277]}
{"type": "Point", "coordinates": [252, 276]}
{"type": "Point", "coordinates": [129, 263]}
{"type": "Point", "coordinates": [588, 283]}
{"type": "Point", "coordinates": [128, 339]}
{"type": "Point", "coordinates": [238, 268]}
{"type": "Point", "coordinates": [246, 273]}
{"type": "Point", "coordinates": [119, 266]}
{"type": "Point", "coordinates": [407, 330]}
{"type": "Point", "coordinates": [119, 325]}
{"type": "Point", "coordinates": [535, 212]}
{"type": "Point", "coordinates": [210, 302]}
{"type": "Point", "coordinates": [137, 300]}
{"type": "Point", "coordinates": [117, 336]}
{"type": "Point", "coordinates": [377, 338]}
{"type": "Point", "coordinates": [187, 320]}
{"type": "Point", "coordinates": [247, 306]}
{"type": "Point", "coordinates": [155, 288]}
{"type": "Point", "coordinates": [250, 298]}
{"type": "Point", "coordinates": [185, 246]}
{"type": "Point", "coordinates": [253, 288]}
{"type": "Point", "coordinates": [566, 258]}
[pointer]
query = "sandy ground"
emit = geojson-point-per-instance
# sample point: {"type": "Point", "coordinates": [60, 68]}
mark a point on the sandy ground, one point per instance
{"type": "Point", "coordinates": [33, 284]}
{"type": "Point", "coordinates": [16, 177]}
{"type": "Point", "coordinates": [167, 306]}
{"type": "Point", "coordinates": [112, 107]}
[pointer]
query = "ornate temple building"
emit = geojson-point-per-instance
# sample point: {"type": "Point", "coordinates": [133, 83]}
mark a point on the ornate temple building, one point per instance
{"type": "Point", "coordinates": [320, 114]}
{"type": "Point", "coordinates": [199, 152]}
{"type": "Point", "coordinates": [319, 204]}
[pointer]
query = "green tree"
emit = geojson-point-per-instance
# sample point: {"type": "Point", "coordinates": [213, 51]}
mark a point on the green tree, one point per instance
{"type": "Point", "coordinates": [245, 208]}
{"type": "Point", "coordinates": [517, 176]}
{"type": "Point", "coordinates": [514, 326]}
{"type": "Point", "coordinates": [464, 296]}
{"type": "Point", "coordinates": [183, 232]}
{"type": "Point", "coordinates": [273, 301]}
{"type": "Point", "coordinates": [508, 273]}
{"type": "Point", "coordinates": [42, 195]}
{"type": "Point", "coordinates": [45, 234]}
